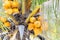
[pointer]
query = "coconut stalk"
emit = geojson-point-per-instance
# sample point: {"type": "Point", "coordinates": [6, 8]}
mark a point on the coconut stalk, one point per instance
{"type": "Point", "coordinates": [23, 6]}
{"type": "Point", "coordinates": [33, 13]}
{"type": "Point", "coordinates": [26, 4]}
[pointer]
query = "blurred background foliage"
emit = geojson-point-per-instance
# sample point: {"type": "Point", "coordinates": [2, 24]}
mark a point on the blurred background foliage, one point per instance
{"type": "Point", "coordinates": [0, 3]}
{"type": "Point", "coordinates": [51, 12]}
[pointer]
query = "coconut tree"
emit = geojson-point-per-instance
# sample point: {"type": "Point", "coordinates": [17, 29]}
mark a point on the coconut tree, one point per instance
{"type": "Point", "coordinates": [50, 10]}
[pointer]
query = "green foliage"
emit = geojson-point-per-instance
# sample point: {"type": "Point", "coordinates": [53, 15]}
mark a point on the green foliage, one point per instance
{"type": "Point", "coordinates": [0, 3]}
{"type": "Point", "coordinates": [37, 2]}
